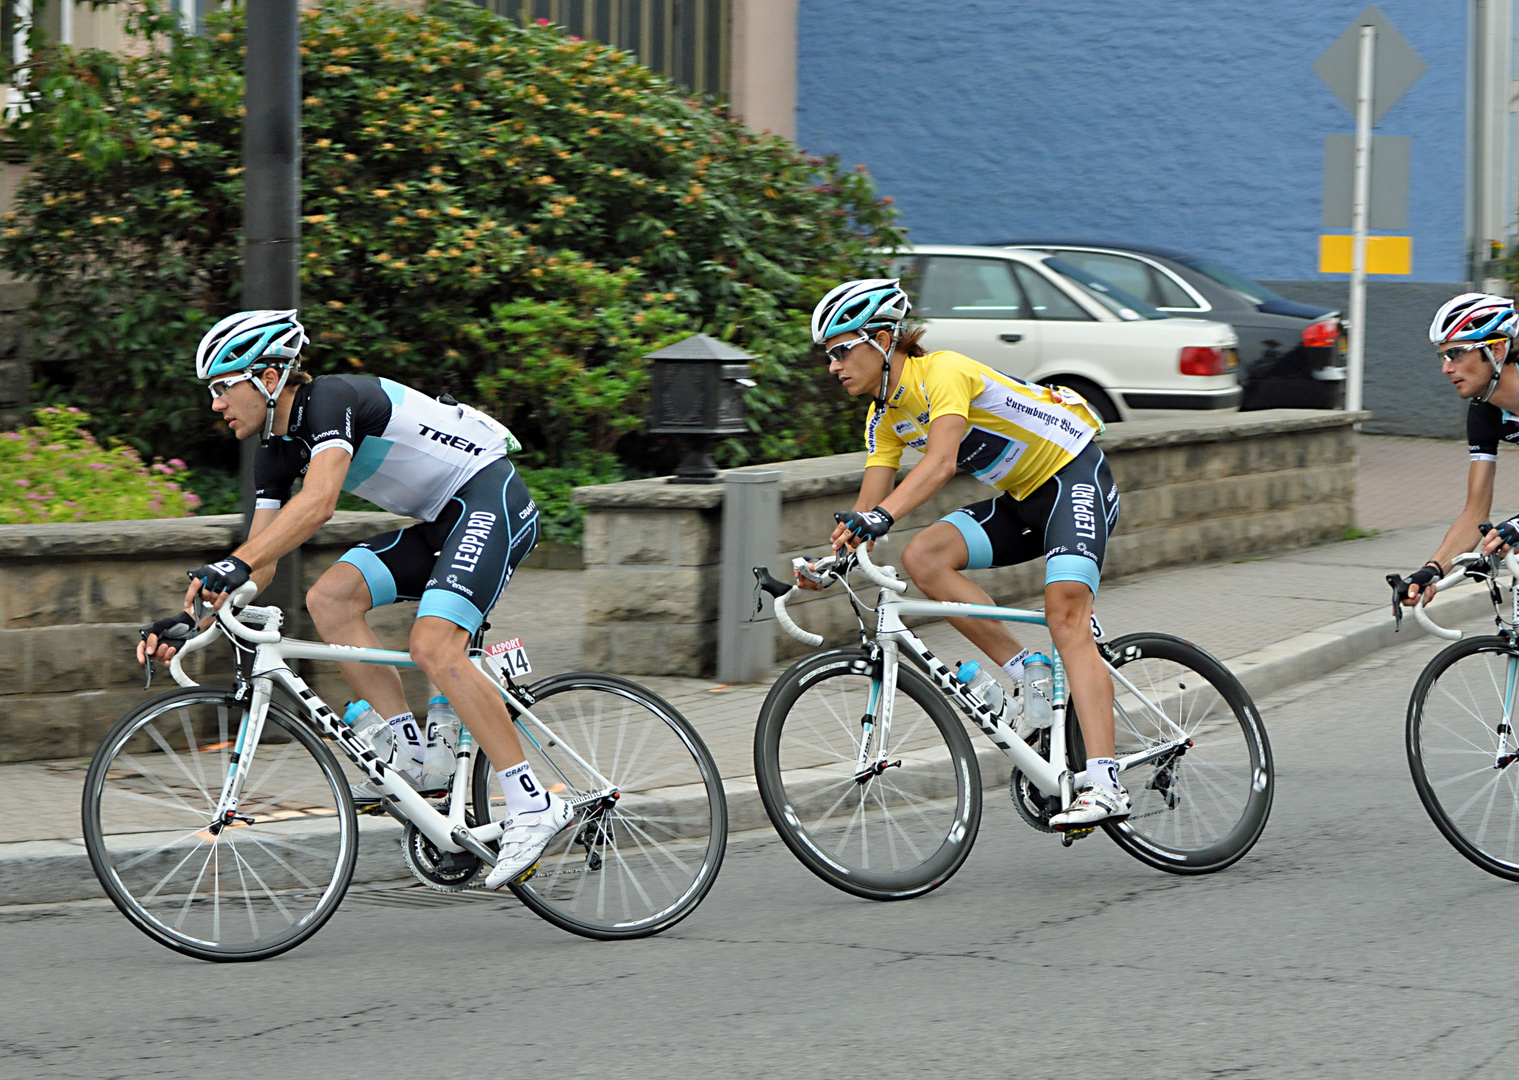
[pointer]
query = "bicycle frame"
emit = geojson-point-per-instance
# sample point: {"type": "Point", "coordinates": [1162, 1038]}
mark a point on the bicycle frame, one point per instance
{"type": "Point", "coordinates": [269, 668]}
{"type": "Point", "coordinates": [893, 636]}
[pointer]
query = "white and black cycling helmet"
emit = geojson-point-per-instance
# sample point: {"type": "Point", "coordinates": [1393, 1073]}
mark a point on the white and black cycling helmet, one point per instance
{"type": "Point", "coordinates": [866, 305]}
{"type": "Point", "coordinates": [1480, 318]}
{"type": "Point", "coordinates": [252, 341]}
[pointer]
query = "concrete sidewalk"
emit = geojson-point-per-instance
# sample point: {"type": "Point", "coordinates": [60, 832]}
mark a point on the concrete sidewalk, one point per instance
{"type": "Point", "coordinates": [1274, 621]}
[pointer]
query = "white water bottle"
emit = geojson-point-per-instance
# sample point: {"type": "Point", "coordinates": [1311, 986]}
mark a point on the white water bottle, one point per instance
{"type": "Point", "coordinates": [981, 684]}
{"type": "Point", "coordinates": [371, 728]}
{"type": "Point", "coordinates": [1039, 690]}
{"type": "Point", "coordinates": [442, 737]}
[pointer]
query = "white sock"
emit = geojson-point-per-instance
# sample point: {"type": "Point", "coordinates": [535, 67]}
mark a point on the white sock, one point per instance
{"type": "Point", "coordinates": [1103, 772]}
{"type": "Point", "coordinates": [524, 795]}
{"type": "Point", "coordinates": [1014, 667]}
{"type": "Point", "coordinates": [408, 735]}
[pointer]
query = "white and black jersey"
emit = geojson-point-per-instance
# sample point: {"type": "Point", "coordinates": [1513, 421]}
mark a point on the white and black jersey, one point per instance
{"type": "Point", "coordinates": [411, 453]}
{"type": "Point", "coordinates": [1487, 426]}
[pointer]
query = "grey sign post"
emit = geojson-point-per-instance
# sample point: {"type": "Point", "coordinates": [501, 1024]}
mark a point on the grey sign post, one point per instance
{"type": "Point", "coordinates": [1369, 67]}
{"type": "Point", "coordinates": [751, 537]}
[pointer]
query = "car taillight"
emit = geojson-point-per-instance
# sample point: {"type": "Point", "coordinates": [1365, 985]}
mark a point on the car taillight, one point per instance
{"type": "Point", "coordinates": [1201, 360]}
{"type": "Point", "coordinates": [1321, 335]}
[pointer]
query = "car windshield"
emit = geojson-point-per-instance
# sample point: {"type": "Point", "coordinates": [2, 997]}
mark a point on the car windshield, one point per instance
{"type": "Point", "coordinates": [1252, 291]}
{"type": "Point", "coordinates": [1125, 305]}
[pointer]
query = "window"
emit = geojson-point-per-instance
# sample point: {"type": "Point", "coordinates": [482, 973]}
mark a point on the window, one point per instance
{"type": "Point", "coordinates": [1168, 294]}
{"type": "Point", "coordinates": [1048, 301]}
{"type": "Point", "coordinates": [961, 288]}
{"type": "Point", "coordinates": [684, 40]}
{"type": "Point", "coordinates": [1130, 275]}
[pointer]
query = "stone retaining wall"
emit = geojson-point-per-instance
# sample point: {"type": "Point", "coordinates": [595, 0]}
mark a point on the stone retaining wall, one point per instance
{"type": "Point", "coordinates": [1192, 488]}
{"type": "Point", "coordinates": [73, 596]}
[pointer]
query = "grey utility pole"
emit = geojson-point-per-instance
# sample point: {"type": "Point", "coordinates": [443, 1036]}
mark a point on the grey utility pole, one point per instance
{"type": "Point", "coordinates": [271, 173]}
{"type": "Point", "coordinates": [272, 206]}
{"type": "Point", "coordinates": [1356, 361]}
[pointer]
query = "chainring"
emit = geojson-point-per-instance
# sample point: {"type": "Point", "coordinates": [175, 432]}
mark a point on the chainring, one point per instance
{"type": "Point", "coordinates": [1028, 800]}
{"type": "Point", "coordinates": [452, 871]}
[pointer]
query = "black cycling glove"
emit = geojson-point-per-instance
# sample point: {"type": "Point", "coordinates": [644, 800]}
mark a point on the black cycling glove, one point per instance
{"type": "Point", "coordinates": [1425, 575]}
{"type": "Point", "coordinates": [1508, 531]}
{"type": "Point", "coordinates": [223, 576]}
{"type": "Point", "coordinates": [172, 630]}
{"type": "Point", "coordinates": [866, 524]}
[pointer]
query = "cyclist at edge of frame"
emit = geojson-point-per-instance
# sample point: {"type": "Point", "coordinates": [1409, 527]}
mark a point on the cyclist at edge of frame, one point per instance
{"type": "Point", "coordinates": [1053, 496]}
{"type": "Point", "coordinates": [432, 459]}
{"type": "Point", "coordinates": [1473, 335]}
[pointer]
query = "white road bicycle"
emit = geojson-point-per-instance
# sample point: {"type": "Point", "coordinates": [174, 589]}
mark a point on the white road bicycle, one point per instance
{"type": "Point", "coordinates": [1460, 730]}
{"type": "Point", "coordinates": [871, 780]}
{"type": "Point", "coordinates": [221, 824]}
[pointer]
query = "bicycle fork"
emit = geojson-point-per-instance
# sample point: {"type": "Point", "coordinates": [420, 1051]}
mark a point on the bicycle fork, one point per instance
{"type": "Point", "coordinates": [1505, 757]}
{"type": "Point", "coordinates": [875, 725]}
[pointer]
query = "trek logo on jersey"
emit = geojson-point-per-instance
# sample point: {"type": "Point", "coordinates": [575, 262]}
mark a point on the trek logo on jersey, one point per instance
{"type": "Point", "coordinates": [458, 442]}
{"type": "Point", "coordinates": [476, 532]}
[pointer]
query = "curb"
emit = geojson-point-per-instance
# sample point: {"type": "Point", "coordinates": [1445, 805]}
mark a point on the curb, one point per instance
{"type": "Point", "coordinates": [54, 871]}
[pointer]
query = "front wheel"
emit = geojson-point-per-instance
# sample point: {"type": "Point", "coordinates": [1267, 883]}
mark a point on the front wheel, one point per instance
{"type": "Point", "coordinates": [899, 834]}
{"type": "Point", "coordinates": [630, 866]}
{"type": "Point", "coordinates": [249, 891]}
{"type": "Point", "coordinates": [1201, 807]}
{"type": "Point", "coordinates": [1466, 781]}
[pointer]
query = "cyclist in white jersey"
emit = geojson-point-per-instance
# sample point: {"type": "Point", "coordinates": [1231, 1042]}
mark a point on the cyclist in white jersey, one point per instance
{"type": "Point", "coordinates": [443, 463]}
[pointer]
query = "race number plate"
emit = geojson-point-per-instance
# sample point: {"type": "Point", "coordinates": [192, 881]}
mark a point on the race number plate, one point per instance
{"type": "Point", "coordinates": [509, 657]}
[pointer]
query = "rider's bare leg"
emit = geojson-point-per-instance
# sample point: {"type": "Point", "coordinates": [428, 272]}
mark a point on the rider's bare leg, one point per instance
{"type": "Point", "coordinates": [934, 560]}
{"type": "Point", "coordinates": [1068, 611]}
{"type": "Point", "coordinates": [338, 604]}
{"type": "Point", "coordinates": [440, 649]}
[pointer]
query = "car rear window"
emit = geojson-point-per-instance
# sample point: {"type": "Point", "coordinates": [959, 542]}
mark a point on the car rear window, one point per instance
{"type": "Point", "coordinates": [958, 287]}
{"type": "Point", "coordinates": [1119, 301]}
{"type": "Point", "coordinates": [1252, 291]}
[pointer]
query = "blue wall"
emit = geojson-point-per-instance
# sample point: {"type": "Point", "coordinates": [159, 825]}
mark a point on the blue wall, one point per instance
{"type": "Point", "coordinates": [1195, 125]}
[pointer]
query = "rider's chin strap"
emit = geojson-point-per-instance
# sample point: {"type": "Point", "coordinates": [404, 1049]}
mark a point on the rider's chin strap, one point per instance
{"type": "Point", "coordinates": [886, 355]}
{"type": "Point", "coordinates": [271, 399]}
{"type": "Point", "coordinates": [1487, 350]}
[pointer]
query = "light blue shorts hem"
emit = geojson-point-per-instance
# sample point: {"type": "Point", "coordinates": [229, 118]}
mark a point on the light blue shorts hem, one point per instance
{"type": "Point", "coordinates": [976, 541]}
{"type": "Point", "coordinates": [1072, 568]}
{"type": "Point", "coordinates": [382, 586]}
{"type": "Point", "coordinates": [441, 604]}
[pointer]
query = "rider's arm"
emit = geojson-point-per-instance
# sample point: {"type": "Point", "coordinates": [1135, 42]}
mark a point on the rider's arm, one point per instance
{"type": "Point", "coordinates": [1463, 533]}
{"type": "Point", "coordinates": [296, 522]}
{"type": "Point", "coordinates": [935, 470]}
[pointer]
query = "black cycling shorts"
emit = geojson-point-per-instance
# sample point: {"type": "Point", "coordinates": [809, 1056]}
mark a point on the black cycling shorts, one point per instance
{"type": "Point", "coordinates": [458, 564]}
{"type": "Point", "coordinates": [1067, 519]}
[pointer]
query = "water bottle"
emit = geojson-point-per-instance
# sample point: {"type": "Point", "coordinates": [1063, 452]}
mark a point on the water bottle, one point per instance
{"type": "Point", "coordinates": [371, 728]}
{"type": "Point", "coordinates": [442, 737]}
{"type": "Point", "coordinates": [1039, 690]}
{"type": "Point", "coordinates": [981, 684]}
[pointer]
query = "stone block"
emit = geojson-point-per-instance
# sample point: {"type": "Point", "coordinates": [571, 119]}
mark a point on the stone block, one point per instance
{"type": "Point", "coordinates": [13, 661]}
{"type": "Point", "coordinates": [129, 590]}
{"type": "Point", "coordinates": [82, 657]}
{"type": "Point", "coordinates": [652, 537]}
{"type": "Point", "coordinates": [688, 649]}
{"type": "Point", "coordinates": [45, 726]}
{"type": "Point", "coordinates": [41, 595]}
{"type": "Point", "coordinates": [596, 539]}
{"type": "Point", "coordinates": [650, 594]}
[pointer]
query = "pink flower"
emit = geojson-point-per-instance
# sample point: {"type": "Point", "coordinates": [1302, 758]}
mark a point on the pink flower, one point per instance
{"type": "Point", "coordinates": [162, 468]}
{"type": "Point", "coordinates": [192, 500]}
{"type": "Point", "coordinates": [71, 409]}
{"type": "Point", "coordinates": [176, 463]}
{"type": "Point", "coordinates": [23, 483]}
{"type": "Point", "coordinates": [55, 446]}
{"type": "Point", "coordinates": [541, 22]}
{"type": "Point", "coordinates": [99, 465]}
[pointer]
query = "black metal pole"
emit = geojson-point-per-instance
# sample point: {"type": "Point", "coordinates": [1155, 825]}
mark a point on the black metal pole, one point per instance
{"type": "Point", "coordinates": [272, 196]}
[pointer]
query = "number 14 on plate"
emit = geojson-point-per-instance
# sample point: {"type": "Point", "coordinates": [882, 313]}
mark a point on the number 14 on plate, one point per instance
{"type": "Point", "coordinates": [508, 657]}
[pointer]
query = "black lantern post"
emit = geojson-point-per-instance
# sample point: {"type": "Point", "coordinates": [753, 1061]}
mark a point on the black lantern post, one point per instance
{"type": "Point", "coordinates": [696, 392]}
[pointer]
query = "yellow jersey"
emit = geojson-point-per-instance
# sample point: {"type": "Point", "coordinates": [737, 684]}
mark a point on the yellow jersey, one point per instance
{"type": "Point", "coordinates": [1018, 434]}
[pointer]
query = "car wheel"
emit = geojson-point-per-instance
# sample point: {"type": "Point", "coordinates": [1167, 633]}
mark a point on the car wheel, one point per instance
{"type": "Point", "coordinates": [1095, 395]}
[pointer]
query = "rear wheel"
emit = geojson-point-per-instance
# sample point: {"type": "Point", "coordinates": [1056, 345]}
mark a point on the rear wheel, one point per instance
{"type": "Point", "coordinates": [1200, 808]}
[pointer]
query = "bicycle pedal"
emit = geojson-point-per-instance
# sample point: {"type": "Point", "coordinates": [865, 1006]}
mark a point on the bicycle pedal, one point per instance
{"type": "Point", "coordinates": [1070, 836]}
{"type": "Point", "coordinates": [522, 877]}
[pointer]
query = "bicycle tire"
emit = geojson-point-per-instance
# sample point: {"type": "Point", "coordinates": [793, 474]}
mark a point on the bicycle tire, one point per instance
{"type": "Point", "coordinates": [803, 778]}
{"type": "Point", "coordinates": [1228, 764]}
{"type": "Point", "coordinates": [678, 813]}
{"type": "Point", "coordinates": [1484, 830]}
{"type": "Point", "coordinates": [155, 775]}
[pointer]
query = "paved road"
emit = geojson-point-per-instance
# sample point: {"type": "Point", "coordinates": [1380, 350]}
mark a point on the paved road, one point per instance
{"type": "Point", "coordinates": [1353, 942]}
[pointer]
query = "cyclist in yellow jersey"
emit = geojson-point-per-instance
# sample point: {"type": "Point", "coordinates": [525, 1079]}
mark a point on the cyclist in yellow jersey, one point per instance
{"type": "Point", "coordinates": [1055, 497]}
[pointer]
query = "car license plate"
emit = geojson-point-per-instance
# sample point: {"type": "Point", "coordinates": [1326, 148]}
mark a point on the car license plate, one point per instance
{"type": "Point", "coordinates": [509, 657]}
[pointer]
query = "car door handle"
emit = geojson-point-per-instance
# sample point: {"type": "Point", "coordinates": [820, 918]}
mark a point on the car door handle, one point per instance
{"type": "Point", "coordinates": [1011, 339]}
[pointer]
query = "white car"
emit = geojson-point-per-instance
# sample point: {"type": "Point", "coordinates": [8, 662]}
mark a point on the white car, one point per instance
{"type": "Point", "coordinates": [1035, 316]}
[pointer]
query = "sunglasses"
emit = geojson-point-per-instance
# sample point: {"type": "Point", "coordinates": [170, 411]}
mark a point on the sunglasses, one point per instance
{"type": "Point", "coordinates": [218, 387]}
{"type": "Point", "coordinates": [836, 353]}
{"type": "Point", "coordinates": [1459, 352]}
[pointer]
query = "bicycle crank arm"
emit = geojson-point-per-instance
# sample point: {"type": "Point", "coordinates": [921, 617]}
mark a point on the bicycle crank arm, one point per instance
{"type": "Point", "coordinates": [466, 840]}
{"type": "Point", "coordinates": [607, 796]}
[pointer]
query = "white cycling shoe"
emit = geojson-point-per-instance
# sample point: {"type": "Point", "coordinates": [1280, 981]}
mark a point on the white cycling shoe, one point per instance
{"type": "Point", "coordinates": [525, 838]}
{"type": "Point", "coordinates": [1094, 806]}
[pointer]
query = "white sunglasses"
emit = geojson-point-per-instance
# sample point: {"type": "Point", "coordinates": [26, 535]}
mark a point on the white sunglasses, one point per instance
{"type": "Point", "coordinates": [218, 387]}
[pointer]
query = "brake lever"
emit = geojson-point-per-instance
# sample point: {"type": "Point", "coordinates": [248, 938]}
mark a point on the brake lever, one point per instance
{"type": "Point", "coordinates": [1399, 593]}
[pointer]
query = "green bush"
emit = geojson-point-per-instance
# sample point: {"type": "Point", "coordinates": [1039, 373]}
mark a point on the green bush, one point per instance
{"type": "Point", "coordinates": [503, 213]}
{"type": "Point", "coordinates": [56, 471]}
